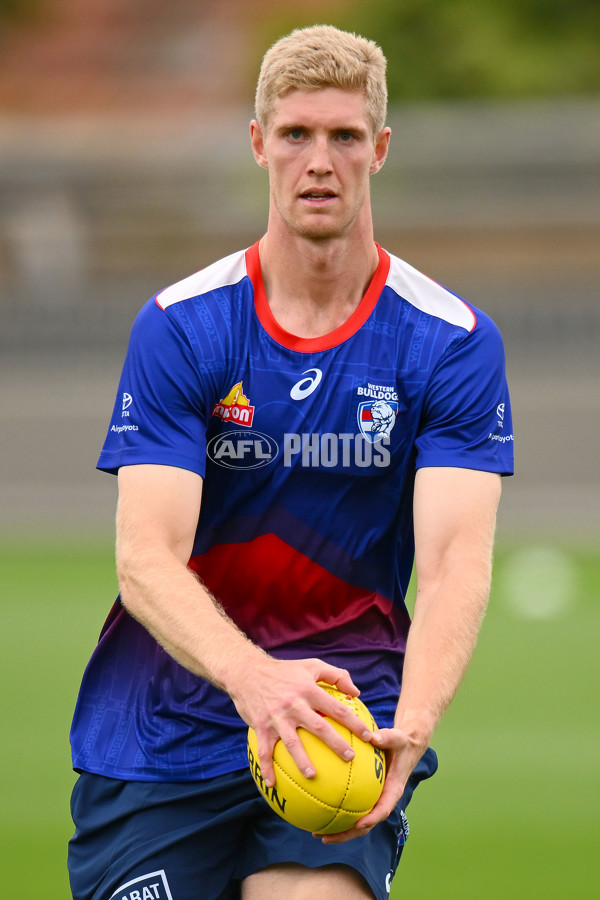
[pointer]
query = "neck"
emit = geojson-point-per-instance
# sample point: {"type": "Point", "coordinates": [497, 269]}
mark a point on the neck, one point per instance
{"type": "Point", "coordinates": [313, 287]}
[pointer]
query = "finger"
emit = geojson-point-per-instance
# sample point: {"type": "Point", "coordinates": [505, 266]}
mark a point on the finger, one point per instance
{"type": "Point", "coordinates": [388, 738]}
{"type": "Point", "coordinates": [322, 729]}
{"type": "Point", "coordinates": [315, 723]}
{"type": "Point", "coordinates": [379, 813]}
{"type": "Point", "coordinates": [338, 678]}
{"type": "Point", "coordinates": [342, 837]}
{"type": "Point", "coordinates": [344, 714]}
{"type": "Point", "coordinates": [385, 806]}
{"type": "Point", "coordinates": [325, 731]}
{"type": "Point", "coordinates": [293, 744]}
{"type": "Point", "coordinates": [265, 762]}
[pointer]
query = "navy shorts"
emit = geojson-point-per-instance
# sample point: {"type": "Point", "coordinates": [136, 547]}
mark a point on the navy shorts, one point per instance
{"type": "Point", "coordinates": [162, 841]}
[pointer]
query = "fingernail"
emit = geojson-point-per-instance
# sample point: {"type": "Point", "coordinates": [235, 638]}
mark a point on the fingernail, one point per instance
{"type": "Point", "coordinates": [310, 772]}
{"type": "Point", "coordinates": [268, 783]}
{"type": "Point", "coordinates": [348, 754]}
{"type": "Point", "coordinates": [366, 735]}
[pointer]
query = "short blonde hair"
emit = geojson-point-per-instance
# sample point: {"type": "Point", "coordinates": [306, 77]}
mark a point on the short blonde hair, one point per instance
{"type": "Point", "coordinates": [323, 56]}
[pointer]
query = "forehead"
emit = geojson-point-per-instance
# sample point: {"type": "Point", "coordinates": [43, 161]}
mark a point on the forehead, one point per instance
{"type": "Point", "coordinates": [327, 107]}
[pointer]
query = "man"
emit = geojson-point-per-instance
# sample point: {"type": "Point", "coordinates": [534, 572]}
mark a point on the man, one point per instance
{"type": "Point", "coordinates": [268, 517]}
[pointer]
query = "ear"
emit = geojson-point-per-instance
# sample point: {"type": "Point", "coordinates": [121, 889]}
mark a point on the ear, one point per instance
{"type": "Point", "coordinates": [258, 144]}
{"type": "Point", "coordinates": [380, 150]}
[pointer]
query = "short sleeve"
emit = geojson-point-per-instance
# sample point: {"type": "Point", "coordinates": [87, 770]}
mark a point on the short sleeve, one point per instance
{"type": "Point", "coordinates": [163, 401]}
{"type": "Point", "coordinates": [467, 419]}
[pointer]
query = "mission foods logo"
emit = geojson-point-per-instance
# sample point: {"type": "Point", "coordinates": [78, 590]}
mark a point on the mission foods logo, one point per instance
{"type": "Point", "coordinates": [235, 407]}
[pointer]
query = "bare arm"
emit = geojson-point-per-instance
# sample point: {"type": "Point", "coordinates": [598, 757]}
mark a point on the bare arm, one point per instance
{"type": "Point", "coordinates": [157, 516]}
{"type": "Point", "coordinates": [455, 515]}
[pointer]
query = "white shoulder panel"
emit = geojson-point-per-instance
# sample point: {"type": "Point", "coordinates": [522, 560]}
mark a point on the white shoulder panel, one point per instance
{"type": "Point", "coordinates": [229, 270]}
{"type": "Point", "coordinates": [428, 296]}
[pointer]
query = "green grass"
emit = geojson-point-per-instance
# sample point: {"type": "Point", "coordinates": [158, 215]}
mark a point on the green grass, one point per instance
{"type": "Point", "coordinates": [55, 602]}
{"type": "Point", "coordinates": [512, 812]}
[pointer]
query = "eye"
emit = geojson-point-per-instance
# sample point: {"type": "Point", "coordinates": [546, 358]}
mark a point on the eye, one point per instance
{"type": "Point", "coordinates": [345, 137]}
{"type": "Point", "coordinates": [296, 134]}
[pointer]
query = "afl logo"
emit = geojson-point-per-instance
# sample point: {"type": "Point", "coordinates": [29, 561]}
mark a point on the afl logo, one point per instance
{"type": "Point", "coordinates": [306, 386]}
{"type": "Point", "coordinates": [242, 450]}
{"type": "Point", "coordinates": [127, 401]}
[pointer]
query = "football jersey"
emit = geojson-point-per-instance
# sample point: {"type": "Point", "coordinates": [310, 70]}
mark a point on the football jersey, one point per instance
{"type": "Point", "coordinates": [308, 448]}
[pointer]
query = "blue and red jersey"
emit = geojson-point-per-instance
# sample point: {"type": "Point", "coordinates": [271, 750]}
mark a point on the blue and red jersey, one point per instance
{"type": "Point", "coordinates": [308, 448]}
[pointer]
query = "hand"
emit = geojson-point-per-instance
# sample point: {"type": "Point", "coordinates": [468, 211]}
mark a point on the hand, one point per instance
{"type": "Point", "coordinates": [402, 754]}
{"type": "Point", "coordinates": [281, 696]}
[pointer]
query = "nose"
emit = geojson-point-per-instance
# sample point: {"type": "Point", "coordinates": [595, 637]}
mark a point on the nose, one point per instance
{"type": "Point", "coordinates": [319, 160]}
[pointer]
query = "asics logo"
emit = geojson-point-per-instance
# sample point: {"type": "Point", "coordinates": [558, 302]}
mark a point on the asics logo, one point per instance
{"type": "Point", "coordinates": [306, 386]}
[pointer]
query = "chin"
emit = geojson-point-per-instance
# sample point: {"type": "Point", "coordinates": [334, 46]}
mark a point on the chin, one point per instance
{"type": "Point", "coordinates": [320, 231]}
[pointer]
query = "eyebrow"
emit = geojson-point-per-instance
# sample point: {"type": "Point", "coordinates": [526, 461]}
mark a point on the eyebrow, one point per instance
{"type": "Point", "coordinates": [298, 126]}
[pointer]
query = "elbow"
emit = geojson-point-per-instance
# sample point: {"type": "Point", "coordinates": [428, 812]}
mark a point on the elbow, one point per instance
{"type": "Point", "coordinates": [130, 575]}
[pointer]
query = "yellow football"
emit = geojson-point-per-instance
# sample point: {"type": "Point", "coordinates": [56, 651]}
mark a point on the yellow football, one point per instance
{"type": "Point", "coordinates": [341, 792]}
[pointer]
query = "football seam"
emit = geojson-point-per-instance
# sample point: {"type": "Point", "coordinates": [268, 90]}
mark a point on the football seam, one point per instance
{"type": "Point", "coordinates": [327, 807]}
{"type": "Point", "coordinates": [322, 803]}
{"type": "Point", "coordinates": [350, 767]}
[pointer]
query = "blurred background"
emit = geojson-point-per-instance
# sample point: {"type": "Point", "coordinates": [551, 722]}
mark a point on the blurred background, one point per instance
{"type": "Point", "coordinates": [124, 166]}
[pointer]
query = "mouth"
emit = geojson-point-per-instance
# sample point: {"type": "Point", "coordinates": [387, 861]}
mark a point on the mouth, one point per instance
{"type": "Point", "coordinates": [318, 196]}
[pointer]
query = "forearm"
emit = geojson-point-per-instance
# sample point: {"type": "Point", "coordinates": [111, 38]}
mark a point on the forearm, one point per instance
{"type": "Point", "coordinates": [276, 697]}
{"type": "Point", "coordinates": [446, 623]}
{"type": "Point", "coordinates": [157, 516]}
{"type": "Point", "coordinates": [455, 519]}
{"type": "Point", "coordinates": [180, 613]}
{"type": "Point", "coordinates": [455, 514]}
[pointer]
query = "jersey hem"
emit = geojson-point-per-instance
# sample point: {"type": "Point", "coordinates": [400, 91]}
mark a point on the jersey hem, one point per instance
{"type": "Point", "coordinates": [111, 462]}
{"type": "Point", "coordinates": [237, 764]}
{"type": "Point", "coordinates": [445, 462]}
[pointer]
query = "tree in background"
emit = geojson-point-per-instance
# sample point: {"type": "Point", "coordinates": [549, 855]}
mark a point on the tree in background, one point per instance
{"type": "Point", "coordinates": [439, 49]}
{"type": "Point", "coordinates": [17, 9]}
{"type": "Point", "coordinates": [82, 54]}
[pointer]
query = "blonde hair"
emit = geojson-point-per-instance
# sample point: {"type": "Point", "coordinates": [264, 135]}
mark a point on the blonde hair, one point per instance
{"type": "Point", "coordinates": [323, 56]}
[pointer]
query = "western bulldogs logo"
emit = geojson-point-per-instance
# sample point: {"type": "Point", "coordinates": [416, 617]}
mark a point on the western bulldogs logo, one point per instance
{"type": "Point", "coordinates": [376, 418]}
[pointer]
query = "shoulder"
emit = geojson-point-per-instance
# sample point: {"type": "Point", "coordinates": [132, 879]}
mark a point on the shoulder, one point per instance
{"type": "Point", "coordinates": [225, 272]}
{"type": "Point", "coordinates": [425, 295]}
{"type": "Point", "coordinates": [192, 318]}
{"type": "Point", "coordinates": [440, 317]}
